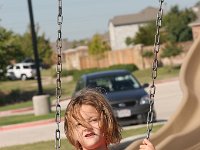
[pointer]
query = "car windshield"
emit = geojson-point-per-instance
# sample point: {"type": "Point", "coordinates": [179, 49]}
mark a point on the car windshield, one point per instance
{"type": "Point", "coordinates": [114, 83]}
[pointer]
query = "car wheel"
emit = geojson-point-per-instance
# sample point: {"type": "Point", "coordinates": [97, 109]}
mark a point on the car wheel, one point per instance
{"type": "Point", "coordinates": [23, 77]}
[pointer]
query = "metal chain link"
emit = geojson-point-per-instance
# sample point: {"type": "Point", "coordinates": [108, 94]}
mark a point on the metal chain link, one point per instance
{"type": "Point", "coordinates": [152, 90]}
{"type": "Point", "coordinates": [58, 80]}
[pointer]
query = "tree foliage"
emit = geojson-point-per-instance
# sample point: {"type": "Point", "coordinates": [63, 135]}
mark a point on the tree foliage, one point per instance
{"type": "Point", "coordinates": [145, 34]}
{"type": "Point", "coordinates": [18, 47]}
{"type": "Point", "coordinates": [9, 48]}
{"type": "Point", "coordinates": [44, 49]}
{"type": "Point", "coordinates": [97, 45]}
{"type": "Point", "coordinates": [128, 41]}
{"type": "Point", "coordinates": [171, 50]}
{"type": "Point", "coordinates": [147, 54]}
{"type": "Point", "coordinates": [176, 24]}
{"type": "Point", "coordinates": [174, 28]}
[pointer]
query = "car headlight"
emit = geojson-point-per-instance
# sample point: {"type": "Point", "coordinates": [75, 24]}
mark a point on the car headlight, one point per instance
{"type": "Point", "coordinates": [144, 100]}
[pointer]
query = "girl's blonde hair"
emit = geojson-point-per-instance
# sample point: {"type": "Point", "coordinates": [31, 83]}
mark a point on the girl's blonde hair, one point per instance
{"type": "Point", "coordinates": [108, 123]}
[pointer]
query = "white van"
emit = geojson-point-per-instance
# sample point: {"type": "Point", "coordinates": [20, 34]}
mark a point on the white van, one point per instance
{"type": "Point", "coordinates": [21, 71]}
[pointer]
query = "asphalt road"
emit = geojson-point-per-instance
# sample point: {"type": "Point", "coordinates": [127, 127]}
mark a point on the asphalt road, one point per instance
{"type": "Point", "coordinates": [167, 98]}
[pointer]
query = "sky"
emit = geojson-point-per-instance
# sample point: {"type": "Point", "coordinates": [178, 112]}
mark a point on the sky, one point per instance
{"type": "Point", "coordinates": [82, 18]}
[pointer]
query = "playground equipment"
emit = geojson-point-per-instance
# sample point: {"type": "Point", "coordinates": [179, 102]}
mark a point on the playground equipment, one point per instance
{"type": "Point", "coordinates": [182, 131]}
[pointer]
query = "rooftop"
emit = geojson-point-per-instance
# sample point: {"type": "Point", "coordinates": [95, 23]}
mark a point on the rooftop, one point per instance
{"type": "Point", "coordinates": [146, 15]}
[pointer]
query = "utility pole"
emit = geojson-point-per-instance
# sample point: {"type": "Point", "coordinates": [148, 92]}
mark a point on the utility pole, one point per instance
{"type": "Point", "coordinates": [35, 49]}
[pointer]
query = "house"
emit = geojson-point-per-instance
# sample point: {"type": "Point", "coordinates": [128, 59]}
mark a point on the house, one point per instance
{"type": "Point", "coordinates": [196, 24]}
{"type": "Point", "coordinates": [121, 27]}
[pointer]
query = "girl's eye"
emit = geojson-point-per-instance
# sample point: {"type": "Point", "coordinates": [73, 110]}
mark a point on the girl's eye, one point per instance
{"type": "Point", "coordinates": [94, 120]}
{"type": "Point", "coordinates": [78, 124]}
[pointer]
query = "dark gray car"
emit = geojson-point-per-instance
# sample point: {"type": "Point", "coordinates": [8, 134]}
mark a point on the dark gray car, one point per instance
{"type": "Point", "coordinates": [129, 100]}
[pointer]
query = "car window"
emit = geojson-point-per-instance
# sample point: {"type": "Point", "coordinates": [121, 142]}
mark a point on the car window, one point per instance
{"type": "Point", "coordinates": [17, 67]}
{"type": "Point", "coordinates": [79, 85]}
{"type": "Point", "coordinates": [10, 67]}
{"type": "Point", "coordinates": [114, 83]}
{"type": "Point", "coordinates": [26, 67]}
{"type": "Point", "coordinates": [32, 66]}
{"type": "Point", "coordinates": [29, 66]}
{"type": "Point", "coordinates": [125, 82]}
{"type": "Point", "coordinates": [103, 83]}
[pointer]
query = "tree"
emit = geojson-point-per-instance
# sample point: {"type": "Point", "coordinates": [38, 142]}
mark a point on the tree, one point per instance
{"type": "Point", "coordinates": [147, 54]}
{"type": "Point", "coordinates": [129, 41]}
{"type": "Point", "coordinates": [97, 46]}
{"type": "Point", "coordinates": [146, 35]}
{"type": "Point", "coordinates": [198, 3]}
{"type": "Point", "coordinates": [174, 28]}
{"type": "Point", "coordinates": [9, 48]}
{"type": "Point", "coordinates": [176, 24]}
{"type": "Point", "coordinates": [77, 43]}
{"type": "Point", "coordinates": [171, 50]}
{"type": "Point", "coordinates": [44, 49]}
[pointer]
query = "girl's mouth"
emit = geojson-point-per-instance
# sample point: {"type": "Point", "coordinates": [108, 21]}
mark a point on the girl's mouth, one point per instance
{"type": "Point", "coordinates": [90, 134]}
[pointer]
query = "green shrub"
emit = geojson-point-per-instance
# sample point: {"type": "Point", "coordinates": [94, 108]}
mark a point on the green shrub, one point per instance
{"type": "Point", "coordinates": [77, 73]}
{"type": "Point", "coordinates": [65, 73]}
{"type": "Point", "coordinates": [147, 54]}
{"type": "Point", "coordinates": [129, 67]}
{"type": "Point", "coordinates": [170, 50]}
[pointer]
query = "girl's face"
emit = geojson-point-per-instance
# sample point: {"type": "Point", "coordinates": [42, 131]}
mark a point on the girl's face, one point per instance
{"type": "Point", "coordinates": [89, 138]}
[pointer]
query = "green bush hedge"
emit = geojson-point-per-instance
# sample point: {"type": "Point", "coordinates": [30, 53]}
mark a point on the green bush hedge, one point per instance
{"type": "Point", "coordinates": [77, 73]}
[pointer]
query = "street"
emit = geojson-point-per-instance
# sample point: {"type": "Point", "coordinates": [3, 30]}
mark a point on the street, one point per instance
{"type": "Point", "coordinates": [167, 98]}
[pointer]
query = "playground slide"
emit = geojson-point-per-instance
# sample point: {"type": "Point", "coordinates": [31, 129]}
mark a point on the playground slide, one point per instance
{"type": "Point", "coordinates": [182, 131]}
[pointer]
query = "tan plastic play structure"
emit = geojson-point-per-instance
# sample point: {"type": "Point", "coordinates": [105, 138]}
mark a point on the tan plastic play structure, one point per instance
{"type": "Point", "coordinates": [182, 131]}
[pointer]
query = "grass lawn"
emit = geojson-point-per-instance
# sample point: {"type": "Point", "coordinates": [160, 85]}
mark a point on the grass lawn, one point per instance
{"type": "Point", "coordinates": [17, 105]}
{"type": "Point", "coordinates": [49, 145]}
{"type": "Point", "coordinates": [29, 88]}
{"type": "Point", "coordinates": [144, 76]}
{"type": "Point", "coordinates": [25, 118]}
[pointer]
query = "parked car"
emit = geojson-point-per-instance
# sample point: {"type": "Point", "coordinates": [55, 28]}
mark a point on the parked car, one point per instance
{"type": "Point", "coordinates": [128, 98]}
{"type": "Point", "coordinates": [21, 71]}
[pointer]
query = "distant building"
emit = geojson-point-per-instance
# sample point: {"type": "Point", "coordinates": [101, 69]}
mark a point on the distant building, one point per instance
{"type": "Point", "coordinates": [196, 24]}
{"type": "Point", "coordinates": [121, 27]}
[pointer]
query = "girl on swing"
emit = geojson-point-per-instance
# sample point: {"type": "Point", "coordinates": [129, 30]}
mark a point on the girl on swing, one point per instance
{"type": "Point", "coordinates": [90, 123]}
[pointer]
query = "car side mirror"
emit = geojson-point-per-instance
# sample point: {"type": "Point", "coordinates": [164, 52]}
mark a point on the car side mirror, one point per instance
{"type": "Point", "coordinates": [145, 85]}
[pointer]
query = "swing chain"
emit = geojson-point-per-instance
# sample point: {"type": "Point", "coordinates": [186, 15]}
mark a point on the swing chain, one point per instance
{"type": "Point", "coordinates": [150, 116]}
{"type": "Point", "coordinates": [58, 80]}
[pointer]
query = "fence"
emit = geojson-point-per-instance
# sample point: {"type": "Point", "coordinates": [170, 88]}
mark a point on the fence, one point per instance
{"type": "Point", "coordinates": [80, 59]}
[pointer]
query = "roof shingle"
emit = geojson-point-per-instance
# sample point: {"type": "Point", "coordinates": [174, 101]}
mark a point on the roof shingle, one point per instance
{"type": "Point", "coordinates": [146, 15]}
